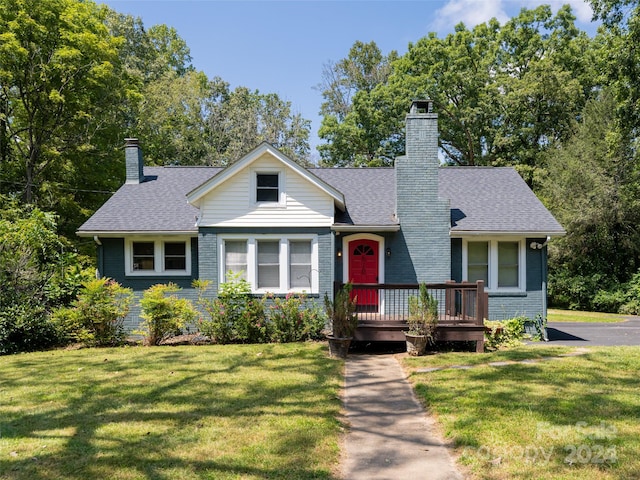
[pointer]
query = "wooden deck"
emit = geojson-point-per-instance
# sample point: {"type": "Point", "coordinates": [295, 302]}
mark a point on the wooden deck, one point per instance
{"type": "Point", "coordinates": [464, 307]}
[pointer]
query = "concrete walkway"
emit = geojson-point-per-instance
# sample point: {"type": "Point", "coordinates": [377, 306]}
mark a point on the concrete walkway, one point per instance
{"type": "Point", "coordinates": [390, 436]}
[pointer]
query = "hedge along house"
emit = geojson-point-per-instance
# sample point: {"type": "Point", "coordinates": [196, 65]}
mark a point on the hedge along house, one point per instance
{"type": "Point", "coordinates": [286, 229]}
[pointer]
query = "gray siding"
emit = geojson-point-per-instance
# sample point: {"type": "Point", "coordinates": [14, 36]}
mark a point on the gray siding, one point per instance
{"type": "Point", "coordinates": [530, 303]}
{"type": "Point", "coordinates": [112, 254]}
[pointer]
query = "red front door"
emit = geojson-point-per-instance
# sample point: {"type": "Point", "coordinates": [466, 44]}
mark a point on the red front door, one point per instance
{"type": "Point", "coordinates": [363, 268]}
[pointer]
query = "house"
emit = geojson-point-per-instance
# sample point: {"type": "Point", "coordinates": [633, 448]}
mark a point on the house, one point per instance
{"type": "Point", "coordinates": [286, 228]}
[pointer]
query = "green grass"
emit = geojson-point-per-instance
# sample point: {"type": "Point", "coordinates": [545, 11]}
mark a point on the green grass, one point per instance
{"type": "Point", "coordinates": [576, 417]}
{"type": "Point", "coordinates": [214, 412]}
{"type": "Point", "coordinates": [590, 317]}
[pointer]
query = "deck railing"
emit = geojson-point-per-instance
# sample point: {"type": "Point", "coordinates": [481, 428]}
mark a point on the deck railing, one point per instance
{"type": "Point", "coordinates": [458, 303]}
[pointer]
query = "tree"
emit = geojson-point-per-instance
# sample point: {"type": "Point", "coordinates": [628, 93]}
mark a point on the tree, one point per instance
{"type": "Point", "coordinates": [504, 94]}
{"type": "Point", "coordinates": [355, 130]}
{"type": "Point", "coordinates": [594, 192]}
{"type": "Point", "coordinates": [59, 82]}
{"type": "Point", "coordinates": [621, 19]}
{"type": "Point", "coordinates": [241, 119]}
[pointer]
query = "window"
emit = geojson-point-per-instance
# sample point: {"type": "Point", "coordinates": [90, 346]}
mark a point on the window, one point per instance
{"type": "Point", "coordinates": [235, 258]}
{"type": "Point", "coordinates": [300, 264]}
{"type": "Point", "coordinates": [267, 187]}
{"type": "Point", "coordinates": [272, 263]}
{"type": "Point", "coordinates": [478, 264]}
{"type": "Point", "coordinates": [507, 264]}
{"type": "Point", "coordinates": [269, 264]}
{"type": "Point", "coordinates": [158, 256]}
{"type": "Point", "coordinates": [175, 256]}
{"type": "Point", "coordinates": [143, 256]}
{"type": "Point", "coordinates": [500, 264]}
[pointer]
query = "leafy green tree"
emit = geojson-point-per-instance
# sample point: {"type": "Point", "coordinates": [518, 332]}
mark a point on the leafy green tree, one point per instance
{"type": "Point", "coordinates": [38, 272]}
{"type": "Point", "coordinates": [621, 60]}
{"type": "Point", "coordinates": [59, 82]}
{"type": "Point", "coordinates": [504, 94]}
{"type": "Point", "coordinates": [594, 192]}
{"type": "Point", "coordinates": [355, 130]}
{"type": "Point", "coordinates": [241, 119]}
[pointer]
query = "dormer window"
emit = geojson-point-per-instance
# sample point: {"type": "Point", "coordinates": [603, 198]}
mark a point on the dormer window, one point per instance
{"type": "Point", "coordinates": [267, 187]}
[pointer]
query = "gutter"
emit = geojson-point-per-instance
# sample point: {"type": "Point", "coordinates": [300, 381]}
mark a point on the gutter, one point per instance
{"type": "Point", "coordinates": [365, 228]}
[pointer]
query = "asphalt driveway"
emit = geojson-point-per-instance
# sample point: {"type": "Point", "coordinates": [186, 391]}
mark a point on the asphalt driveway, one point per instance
{"type": "Point", "coordinates": [595, 334]}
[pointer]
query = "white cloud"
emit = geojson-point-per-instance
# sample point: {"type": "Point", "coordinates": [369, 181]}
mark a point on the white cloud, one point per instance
{"type": "Point", "coordinates": [581, 9]}
{"type": "Point", "coordinates": [474, 12]}
{"type": "Point", "coordinates": [469, 12]}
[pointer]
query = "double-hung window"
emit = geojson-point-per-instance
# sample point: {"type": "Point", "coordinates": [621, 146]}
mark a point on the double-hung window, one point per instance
{"type": "Point", "coordinates": [268, 260]}
{"type": "Point", "coordinates": [235, 259]}
{"type": "Point", "coordinates": [158, 256]}
{"type": "Point", "coordinates": [499, 263]}
{"type": "Point", "coordinates": [270, 263]}
{"type": "Point", "coordinates": [300, 264]}
{"type": "Point", "coordinates": [267, 187]}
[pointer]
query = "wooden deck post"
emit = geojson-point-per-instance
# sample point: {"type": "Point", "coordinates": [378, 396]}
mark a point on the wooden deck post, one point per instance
{"type": "Point", "coordinates": [481, 311]}
{"type": "Point", "coordinates": [450, 300]}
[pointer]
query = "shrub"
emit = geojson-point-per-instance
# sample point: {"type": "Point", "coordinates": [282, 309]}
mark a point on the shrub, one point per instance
{"type": "Point", "coordinates": [26, 329]}
{"type": "Point", "coordinates": [235, 316]}
{"type": "Point", "coordinates": [96, 317]}
{"type": "Point", "coordinates": [342, 312]}
{"type": "Point", "coordinates": [164, 313]}
{"type": "Point", "coordinates": [295, 319]}
{"type": "Point", "coordinates": [423, 314]}
{"type": "Point", "coordinates": [506, 333]}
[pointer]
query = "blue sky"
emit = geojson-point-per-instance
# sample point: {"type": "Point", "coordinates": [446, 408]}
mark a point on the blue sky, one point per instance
{"type": "Point", "coordinates": [281, 46]}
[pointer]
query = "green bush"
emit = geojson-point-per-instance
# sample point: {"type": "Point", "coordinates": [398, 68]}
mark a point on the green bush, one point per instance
{"type": "Point", "coordinates": [235, 316]}
{"type": "Point", "coordinates": [25, 329]}
{"type": "Point", "coordinates": [341, 312]}
{"type": "Point", "coordinates": [504, 333]}
{"type": "Point", "coordinates": [164, 313]}
{"type": "Point", "coordinates": [96, 317]}
{"type": "Point", "coordinates": [295, 319]}
{"type": "Point", "coordinates": [423, 314]}
{"type": "Point", "coordinates": [575, 292]}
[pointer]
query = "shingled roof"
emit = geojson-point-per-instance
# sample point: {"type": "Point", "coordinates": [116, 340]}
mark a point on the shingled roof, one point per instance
{"type": "Point", "coordinates": [159, 204]}
{"type": "Point", "coordinates": [483, 200]}
{"type": "Point", "coordinates": [494, 200]}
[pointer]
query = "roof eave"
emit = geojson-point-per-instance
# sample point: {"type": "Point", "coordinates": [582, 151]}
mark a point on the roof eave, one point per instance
{"type": "Point", "coordinates": [365, 228]}
{"type": "Point", "coordinates": [127, 233]}
{"type": "Point", "coordinates": [502, 233]}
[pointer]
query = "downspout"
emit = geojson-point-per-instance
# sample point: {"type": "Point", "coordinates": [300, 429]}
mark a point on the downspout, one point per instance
{"type": "Point", "coordinates": [543, 261]}
{"type": "Point", "coordinates": [100, 268]}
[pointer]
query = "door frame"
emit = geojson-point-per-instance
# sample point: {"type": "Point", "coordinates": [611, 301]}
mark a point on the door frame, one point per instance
{"type": "Point", "coordinates": [381, 257]}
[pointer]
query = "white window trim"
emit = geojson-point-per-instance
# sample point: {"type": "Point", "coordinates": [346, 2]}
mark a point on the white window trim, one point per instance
{"type": "Point", "coordinates": [253, 185]}
{"type": "Point", "coordinates": [158, 254]}
{"type": "Point", "coordinates": [252, 261]}
{"type": "Point", "coordinates": [492, 284]}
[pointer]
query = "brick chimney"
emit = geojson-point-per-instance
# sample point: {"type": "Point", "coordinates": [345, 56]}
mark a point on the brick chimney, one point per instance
{"type": "Point", "coordinates": [425, 218]}
{"type": "Point", "coordinates": [134, 161]}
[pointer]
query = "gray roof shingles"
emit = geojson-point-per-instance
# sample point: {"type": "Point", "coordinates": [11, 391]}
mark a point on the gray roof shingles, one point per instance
{"type": "Point", "coordinates": [159, 204]}
{"type": "Point", "coordinates": [482, 200]}
{"type": "Point", "coordinates": [491, 199]}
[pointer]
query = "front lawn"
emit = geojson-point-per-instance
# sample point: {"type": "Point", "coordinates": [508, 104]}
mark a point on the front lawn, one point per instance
{"type": "Point", "coordinates": [214, 412]}
{"type": "Point", "coordinates": [568, 418]}
{"type": "Point", "coordinates": [554, 315]}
